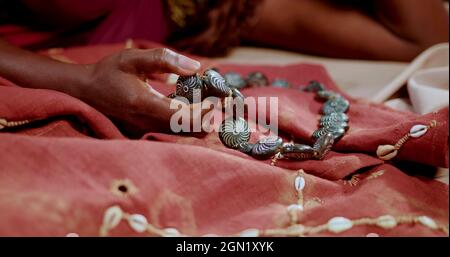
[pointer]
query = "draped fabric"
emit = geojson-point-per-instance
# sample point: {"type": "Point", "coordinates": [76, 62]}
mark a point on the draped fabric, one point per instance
{"type": "Point", "coordinates": [64, 164]}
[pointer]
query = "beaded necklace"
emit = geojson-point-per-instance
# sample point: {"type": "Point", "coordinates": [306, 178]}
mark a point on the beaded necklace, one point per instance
{"type": "Point", "coordinates": [234, 132]}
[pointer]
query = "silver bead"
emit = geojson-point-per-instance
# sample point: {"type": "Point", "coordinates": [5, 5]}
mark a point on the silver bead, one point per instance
{"type": "Point", "coordinates": [257, 79]}
{"type": "Point", "coordinates": [245, 147]}
{"type": "Point", "coordinates": [189, 87]}
{"type": "Point", "coordinates": [297, 151]}
{"type": "Point", "coordinates": [339, 105]}
{"type": "Point", "coordinates": [234, 80]}
{"type": "Point", "coordinates": [314, 86]}
{"type": "Point", "coordinates": [334, 117]}
{"type": "Point", "coordinates": [327, 94]}
{"type": "Point", "coordinates": [266, 147]}
{"type": "Point", "coordinates": [336, 132]}
{"type": "Point", "coordinates": [215, 84]}
{"type": "Point", "coordinates": [323, 145]}
{"type": "Point", "coordinates": [280, 83]}
{"type": "Point", "coordinates": [234, 132]}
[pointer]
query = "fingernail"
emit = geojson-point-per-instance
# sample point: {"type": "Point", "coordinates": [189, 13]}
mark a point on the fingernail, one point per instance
{"type": "Point", "coordinates": [188, 64]}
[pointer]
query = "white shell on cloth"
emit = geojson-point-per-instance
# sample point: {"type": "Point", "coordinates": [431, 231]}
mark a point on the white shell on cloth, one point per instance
{"type": "Point", "coordinates": [299, 183]}
{"type": "Point", "coordinates": [295, 207]}
{"type": "Point", "coordinates": [251, 232]}
{"type": "Point", "coordinates": [418, 131]}
{"type": "Point", "coordinates": [113, 216]}
{"type": "Point", "coordinates": [386, 152]}
{"type": "Point", "coordinates": [339, 224]}
{"type": "Point", "coordinates": [138, 222]}
{"type": "Point", "coordinates": [171, 232]}
{"type": "Point", "coordinates": [428, 222]}
{"type": "Point", "coordinates": [386, 221]}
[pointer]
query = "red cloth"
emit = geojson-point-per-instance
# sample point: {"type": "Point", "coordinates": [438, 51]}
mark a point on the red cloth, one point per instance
{"type": "Point", "coordinates": [56, 175]}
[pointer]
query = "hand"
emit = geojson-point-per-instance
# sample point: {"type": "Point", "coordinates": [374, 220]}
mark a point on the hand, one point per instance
{"type": "Point", "coordinates": [115, 87]}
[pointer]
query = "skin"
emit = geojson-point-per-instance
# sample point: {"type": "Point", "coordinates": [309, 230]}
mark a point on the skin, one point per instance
{"type": "Point", "coordinates": [114, 85]}
{"type": "Point", "coordinates": [390, 30]}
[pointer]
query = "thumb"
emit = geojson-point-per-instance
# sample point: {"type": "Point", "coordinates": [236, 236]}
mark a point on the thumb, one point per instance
{"type": "Point", "coordinates": [158, 60]}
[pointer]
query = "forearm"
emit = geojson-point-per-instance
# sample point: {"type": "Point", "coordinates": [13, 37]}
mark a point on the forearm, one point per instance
{"type": "Point", "coordinates": [31, 70]}
{"type": "Point", "coordinates": [422, 22]}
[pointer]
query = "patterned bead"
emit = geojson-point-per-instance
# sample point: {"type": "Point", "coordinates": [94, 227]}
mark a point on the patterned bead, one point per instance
{"type": "Point", "coordinates": [314, 86]}
{"type": "Point", "coordinates": [266, 147]}
{"type": "Point", "coordinates": [234, 132]}
{"type": "Point", "coordinates": [323, 145]}
{"type": "Point", "coordinates": [327, 94]}
{"type": "Point", "coordinates": [280, 83]}
{"type": "Point", "coordinates": [257, 79]}
{"type": "Point", "coordinates": [332, 126]}
{"type": "Point", "coordinates": [234, 80]}
{"type": "Point", "coordinates": [334, 117]}
{"type": "Point", "coordinates": [339, 105]}
{"type": "Point", "coordinates": [336, 132]}
{"type": "Point", "coordinates": [190, 87]}
{"type": "Point", "coordinates": [245, 147]}
{"type": "Point", "coordinates": [297, 151]}
{"type": "Point", "coordinates": [215, 84]}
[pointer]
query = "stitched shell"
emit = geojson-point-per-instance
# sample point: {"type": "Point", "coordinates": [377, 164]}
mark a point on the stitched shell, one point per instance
{"type": "Point", "coordinates": [386, 152]}
{"type": "Point", "coordinates": [189, 87]}
{"type": "Point", "coordinates": [234, 80]}
{"type": "Point", "coordinates": [336, 105]}
{"type": "Point", "coordinates": [234, 132]}
{"type": "Point", "coordinates": [216, 84]}
{"type": "Point", "coordinates": [297, 151]}
{"type": "Point", "coordinates": [334, 117]}
{"type": "Point", "coordinates": [323, 145]}
{"type": "Point", "coordinates": [266, 147]}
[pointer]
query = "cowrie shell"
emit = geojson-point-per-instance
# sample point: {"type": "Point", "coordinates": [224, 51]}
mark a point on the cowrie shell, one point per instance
{"type": "Point", "coordinates": [138, 222]}
{"type": "Point", "coordinates": [418, 131]}
{"type": "Point", "coordinates": [386, 152]}
{"type": "Point", "coordinates": [252, 232]}
{"type": "Point", "coordinates": [339, 224]}
{"type": "Point", "coordinates": [112, 217]}
{"type": "Point", "coordinates": [428, 222]}
{"type": "Point", "coordinates": [171, 232]}
{"type": "Point", "coordinates": [386, 221]}
{"type": "Point", "coordinates": [299, 183]}
{"type": "Point", "coordinates": [295, 207]}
